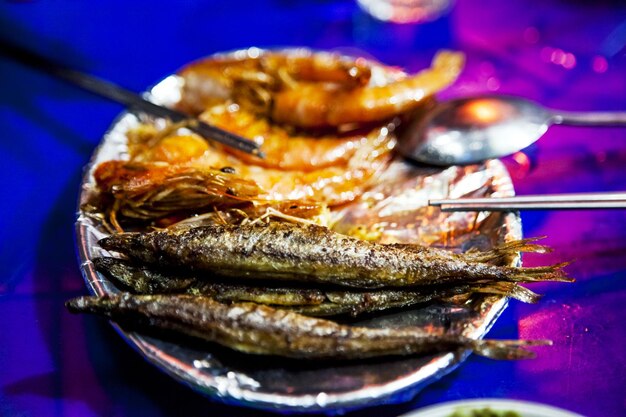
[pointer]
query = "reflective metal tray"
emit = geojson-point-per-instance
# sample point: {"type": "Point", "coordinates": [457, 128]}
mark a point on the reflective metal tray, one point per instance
{"type": "Point", "coordinates": [398, 202]}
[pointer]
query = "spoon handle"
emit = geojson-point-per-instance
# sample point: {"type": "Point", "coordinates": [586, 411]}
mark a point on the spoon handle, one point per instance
{"type": "Point", "coordinates": [589, 118]}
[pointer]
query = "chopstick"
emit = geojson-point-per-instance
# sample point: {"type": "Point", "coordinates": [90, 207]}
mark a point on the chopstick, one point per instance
{"type": "Point", "coordinates": [121, 95]}
{"type": "Point", "coordinates": [610, 200]}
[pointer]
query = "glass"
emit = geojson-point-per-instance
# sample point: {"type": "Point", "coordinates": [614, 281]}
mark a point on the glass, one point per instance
{"type": "Point", "coordinates": [405, 11]}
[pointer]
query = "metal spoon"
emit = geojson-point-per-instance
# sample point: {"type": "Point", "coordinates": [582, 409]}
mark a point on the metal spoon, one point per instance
{"type": "Point", "coordinates": [471, 130]}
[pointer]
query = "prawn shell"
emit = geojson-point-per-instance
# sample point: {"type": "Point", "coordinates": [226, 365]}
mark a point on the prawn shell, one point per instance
{"type": "Point", "coordinates": [220, 78]}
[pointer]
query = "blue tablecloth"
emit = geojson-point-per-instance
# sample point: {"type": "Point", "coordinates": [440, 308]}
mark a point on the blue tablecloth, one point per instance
{"type": "Point", "coordinates": [564, 54]}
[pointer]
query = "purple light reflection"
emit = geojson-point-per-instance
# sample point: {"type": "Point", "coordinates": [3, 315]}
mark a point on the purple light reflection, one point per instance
{"type": "Point", "coordinates": [60, 365]}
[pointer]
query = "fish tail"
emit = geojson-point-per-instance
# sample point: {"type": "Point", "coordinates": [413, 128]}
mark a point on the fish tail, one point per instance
{"type": "Point", "coordinates": [506, 349]}
{"type": "Point", "coordinates": [542, 273]}
{"type": "Point", "coordinates": [504, 252]}
{"type": "Point", "coordinates": [510, 289]}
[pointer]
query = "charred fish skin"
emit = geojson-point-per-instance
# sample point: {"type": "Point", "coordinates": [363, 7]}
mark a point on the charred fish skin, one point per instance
{"type": "Point", "coordinates": [309, 301]}
{"type": "Point", "coordinates": [258, 329]}
{"type": "Point", "coordinates": [140, 279]}
{"type": "Point", "coordinates": [312, 253]}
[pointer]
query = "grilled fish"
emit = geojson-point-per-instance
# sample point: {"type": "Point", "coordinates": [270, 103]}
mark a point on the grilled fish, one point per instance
{"type": "Point", "coordinates": [309, 301]}
{"type": "Point", "coordinates": [259, 329]}
{"type": "Point", "coordinates": [317, 254]}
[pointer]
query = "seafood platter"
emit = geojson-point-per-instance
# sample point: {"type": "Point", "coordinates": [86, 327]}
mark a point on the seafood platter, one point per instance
{"type": "Point", "coordinates": [316, 277]}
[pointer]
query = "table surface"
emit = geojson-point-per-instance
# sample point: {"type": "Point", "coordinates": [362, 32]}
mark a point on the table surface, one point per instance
{"type": "Point", "coordinates": [564, 54]}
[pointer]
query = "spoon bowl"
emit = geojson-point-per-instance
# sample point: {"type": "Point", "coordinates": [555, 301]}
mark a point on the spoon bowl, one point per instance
{"type": "Point", "coordinates": [471, 130]}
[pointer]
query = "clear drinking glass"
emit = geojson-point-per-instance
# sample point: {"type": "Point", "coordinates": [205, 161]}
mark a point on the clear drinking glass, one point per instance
{"type": "Point", "coordinates": [405, 11]}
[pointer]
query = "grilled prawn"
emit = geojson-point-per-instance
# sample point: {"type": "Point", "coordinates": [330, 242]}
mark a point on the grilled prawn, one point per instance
{"type": "Point", "coordinates": [286, 149]}
{"type": "Point", "coordinates": [313, 106]}
{"type": "Point", "coordinates": [251, 81]}
{"type": "Point", "coordinates": [151, 191]}
{"type": "Point", "coordinates": [318, 90]}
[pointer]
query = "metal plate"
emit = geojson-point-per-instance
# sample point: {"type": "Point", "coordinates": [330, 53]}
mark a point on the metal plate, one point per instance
{"type": "Point", "coordinates": [398, 203]}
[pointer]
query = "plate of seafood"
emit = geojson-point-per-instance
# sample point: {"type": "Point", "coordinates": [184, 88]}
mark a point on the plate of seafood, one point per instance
{"type": "Point", "coordinates": [322, 258]}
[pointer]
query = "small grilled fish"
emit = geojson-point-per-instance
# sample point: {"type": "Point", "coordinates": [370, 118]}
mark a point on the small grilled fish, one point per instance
{"type": "Point", "coordinates": [144, 280]}
{"type": "Point", "coordinates": [259, 329]}
{"type": "Point", "coordinates": [315, 253]}
{"type": "Point", "coordinates": [359, 302]}
{"type": "Point", "coordinates": [314, 302]}
{"type": "Point", "coordinates": [309, 301]}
